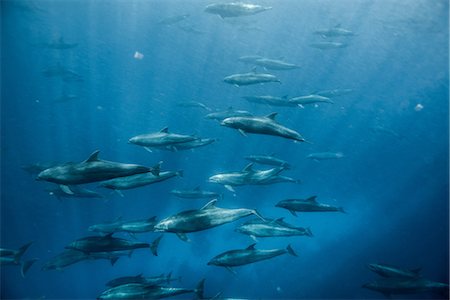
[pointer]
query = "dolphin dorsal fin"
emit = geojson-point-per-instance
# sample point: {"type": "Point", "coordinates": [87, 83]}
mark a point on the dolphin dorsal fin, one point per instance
{"type": "Point", "coordinates": [165, 130]}
{"type": "Point", "coordinates": [93, 156]}
{"type": "Point", "coordinates": [109, 235]}
{"type": "Point", "coordinates": [272, 116]}
{"type": "Point", "coordinates": [251, 247]}
{"type": "Point", "coordinates": [209, 205]}
{"type": "Point", "coordinates": [312, 199]}
{"type": "Point", "coordinates": [197, 188]}
{"type": "Point", "coordinates": [279, 220]}
{"type": "Point", "coordinates": [248, 168]}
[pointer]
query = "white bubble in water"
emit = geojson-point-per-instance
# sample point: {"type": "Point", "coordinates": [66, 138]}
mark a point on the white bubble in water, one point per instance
{"type": "Point", "coordinates": [138, 55]}
{"type": "Point", "coordinates": [418, 107]}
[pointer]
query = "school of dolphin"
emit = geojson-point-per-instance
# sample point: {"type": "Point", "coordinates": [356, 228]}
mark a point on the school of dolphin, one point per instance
{"type": "Point", "coordinates": [119, 176]}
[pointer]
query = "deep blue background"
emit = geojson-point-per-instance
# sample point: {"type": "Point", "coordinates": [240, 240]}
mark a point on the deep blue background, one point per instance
{"type": "Point", "coordinates": [395, 189]}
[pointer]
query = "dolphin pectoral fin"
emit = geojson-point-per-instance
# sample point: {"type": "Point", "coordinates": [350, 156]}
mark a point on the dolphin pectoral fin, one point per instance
{"type": "Point", "coordinates": [231, 270]}
{"type": "Point", "coordinates": [148, 149]}
{"type": "Point", "coordinates": [301, 106]}
{"type": "Point", "coordinates": [293, 213]}
{"type": "Point", "coordinates": [230, 188]}
{"type": "Point", "coordinates": [114, 260]}
{"type": "Point", "coordinates": [119, 192]}
{"type": "Point", "coordinates": [26, 265]}
{"type": "Point", "coordinates": [242, 132]}
{"type": "Point", "coordinates": [66, 189]}
{"type": "Point", "coordinates": [183, 237]}
{"type": "Point", "coordinates": [236, 85]}
{"type": "Point", "coordinates": [154, 245]}
{"type": "Point", "coordinates": [254, 238]}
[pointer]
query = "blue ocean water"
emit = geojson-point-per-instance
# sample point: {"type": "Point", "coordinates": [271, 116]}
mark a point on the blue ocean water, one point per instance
{"type": "Point", "coordinates": [393, 183]}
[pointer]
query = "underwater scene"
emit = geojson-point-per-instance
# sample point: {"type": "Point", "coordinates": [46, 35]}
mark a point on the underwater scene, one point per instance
{"type": "Point", "coordinates": [207, 149]}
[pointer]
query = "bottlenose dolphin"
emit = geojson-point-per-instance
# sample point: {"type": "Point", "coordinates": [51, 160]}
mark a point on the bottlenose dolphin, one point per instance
{"type": "Point", "coordinates": [208, 216]}
{"type": "Point", "coordinates": [173, 20]}
{"type": "Point", "coordinates": [154, 280]}
{"type": "Point", "coordinates": [275, 64]}
{"type": "Point", "coordinates": [271, 228]}
{"type": "Point", "coordinates": [328, 45]}
{"type": "Point", "coordinates": [271, 100]}
{"type": "Point", "coordinates": [234, 9]}
{"type": "Point", "coordinates": [195, 193]}
{"type": "Point", "coordinates": [325, 155]}
{"type": "Point", "coordinates": [230, 112]}
{"type": "Point", "coordinates": [391, 271]}
{"type": "Point", "coordinates": [246, 256]}
{"type": "Point", "coordinates": [188, 145]}
{"type": "Point", "coordinates": [250, 78]}
{"type": "Point", "coordinates": [77, 192]}
{"type": "Point", "coordinates": [135, 226]}
{"type": "Point", "coordinates": [247, 176]}
{"type": "Point", "coordinates": [249, 58]}
{"type": "Point", "coordinates": [268, 160]}
{"type": "Point", "coordinates": [389, 286]}
{"type": "Point", "coordinates": [307, 205]}
{"type": "Point", "coordinates": [108, 243]}
{"type": "Point", "coordinates": [91, 170]}
{"type": "Point", "coordinates": [309, 99]}
{"type": "Point", "coordinates": [336, 31]}
{"type": "Point", "coordinates": [160, 139]}
{"type": "Point", "coordinates": [262, 125]}
{"type": "Point", "coordinates": [12, 257]}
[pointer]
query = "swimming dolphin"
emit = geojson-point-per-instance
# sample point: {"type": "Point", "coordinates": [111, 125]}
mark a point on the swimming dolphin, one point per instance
{"type": "Point", "coordinates": [208, 216]}
{"type": "Point", "coordinates": [188, 145]}
{"type": "Point", "coordinates": [328, 45]}
{"type": "Point", "coordinates": [154, 280]}
{"type": "Point", "coordinates": [91, 170]}
{"type": "Point", "coordinates": [275, 64]}
{"type": "Point", "coordinates": [268, 160]}
{"type": "Point", "coordinates": [234, 9]}
{"type": "Point", "coordinates": [271, 100]}
{"type": "Point", "coordinates": [336, 31]}
{"type": "Point", "coordinates": [309, 99]}
{"type": "Point", "coordinates": [250, 78]}
{"type": "Point", "coordinates": [246, 256]}
{"type": "Point", "coordinates": [325, 155]}
{"type": "Point", "coordinates": [389, 286]}
{"type": "Point", "coordinates": [262, 125]}
{"type": "Point", "coordinates": [118, 225]}
{"type": "Point", "coordinates": [307, 205]}
{"type": "Point", "coordinates": [391, 271]}
{"type": "Point", "coordinates": [195, 193]}
{"type": "Point", "coordinates": [271, 228]}
{"type": "Point", "coordinates": [160, 139]}
{"type": "Point", "coordinates": [230, 112]}
{"type": "Point", "coordinates": [76, 192]}
{"type": "Point", "coordinates": [12, 257]}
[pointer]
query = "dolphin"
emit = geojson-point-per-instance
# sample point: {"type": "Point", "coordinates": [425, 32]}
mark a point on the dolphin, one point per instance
{"type": "Point", "coordinates": [235, 9]}
{"type": "Point", "coordinates": [336, 31]}
{"type": "Point", "coordinates": [328, 45]}
{"type": "Point", "coordinates": [262, 125]}
{"type": "Point", "coordinates": [12, 257]}
{"type": "Point", "coordinates": [188, 145]}
{"type": "Point", "coordinates": [77, 192]}
{"type": "Point", "coordinates": [208, 216]}
{"type": "Point", "coordinates": [275, 64]}
{"type": "Point", "coordinates": [250, 58]}
{"type": "Point", "coordinates": [250, 78]}
{"type": "Point", "coordinates": [195, 193]}
{"type": "Point", "coordinates": [173, 20]}
{"type": "Point", "coordinates": [325, 155]}
{"type": "Point", "coordinates": [271, 228]}
{"type": "Point", "coordinates": [139, 180]}
{"type": "Point", "coordinates": [391, 271]}
{"type": "Point", "coordinates": [247, 176]}
{"type": "Point", "coordinates": [154, 280]}
{"type": "Point", "coordinates": [307, 205]}
{"type": "Point", "coordinates": [246, 256]}
{"type": "Point", "coordinates": [108, 243]}
{"type": "Point", "coordinates": [279, 179]}
{"type": "Point", "coordinates": [309, 99]}
{"type": "Point", "coordinates": [139, 226]}
{"type": "Point", "coordinates": [389, 286]}
{"type": "Point", "coordinates": [160, 139]}
{"type": "Point", "coordinates": [144, 291]}
{"type": "Point", "coordinates": [230, 112]}
{"type": "Point", "coordinates": [270, 100]}
{"type": "Point", "coordinates": [107, 228]}
{"type": "Point", "coordinates": [91, 170]}
{"type": "Point", "coordinates": [268, 160]}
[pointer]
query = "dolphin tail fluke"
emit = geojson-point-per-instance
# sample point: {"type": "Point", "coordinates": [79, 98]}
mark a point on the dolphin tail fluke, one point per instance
{"type": "Point", "coordinates": [256, 213]}
{"type": "Point", "coordinates": [290, 250]}
{"type": "Point", "coordinates": [26, 266]}
{"type": "Point", "coordinates": [200, 289]}
{"type": "Point", "coordinates": [21, 251]}
{"type": "Point", "coordinates": [66, 189]}
{"type": "Point", "coordinates": [148, 149]}
{"type": "Point", "coordinates": [309, 232]}
{"type": "Point", "coordinates": [182, 236]}
{"type": "Point", "coordinates": [154, 245]}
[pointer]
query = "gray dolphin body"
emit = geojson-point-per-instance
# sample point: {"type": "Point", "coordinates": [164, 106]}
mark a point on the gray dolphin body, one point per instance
{"type": "Point", "coordinates": [195, 193]}
{"type": "Point", "coordinates": [328, 45]}
{"type": "Point", "coordinates": [279, 179]}
{"type": "Point", "coordinates": [275, 64]}
{"type": "Point", "coordinates": [91, 170]}
{"type": "Point", "coordinates": [107, 228]}
{"type": "Point", "coordinates": [262, 125]}
{"type": "Point", "coordinates": [160, 139]}
{"type": "Point", "coordinates": [271, 228]}
{"type": "Point", "coordinates": [247, 176]}
{"type": "Point", "coordinates": [389, 286]}
{"type": "Point", "coordinates": [336, 31]}
{"type": "Point", "coordinates": [310, 99]}
{"type": "Point", "coordinates": [173, 20]}
{"type": "Point", "coordinates": [250, 78]}
{"type": "Point", "coordinates": [155, 280]}
{"type": "Point", "coordinates": [188, 145]}
{"type": "Point", "coordinates": [235, 9]}
{"type": "Point", "coordinates": [234, 258]}
{"type": "Point", "coordinates": [250, 59]}
{"type": "Point", "coordinates": [135, 226]}
{"type": "Point", "coordinates": [144, 291]}
{"type": "Point", "coordinates": [230, 112]}
{"type": "Point", "coordinates": [77, 192]}
{"type": "Point", "coordinates": [207, 217]}
{"type": "Point", "coordinates": [93, 244]}
{"type": "Point", "coordinates": [138, 180]}
{"type": "Point", "coordinates": [325, 155]}
{"type": "Point", "coordinates": [270, 100]}
{"type": "Point", "coordinates": [307, 205]}
{"type": "Point", "coordinates": [12, 257]}
{"type": "Point", "coordinates": [268, 160]}
{"type": "Point", "coordinates": [391, 271]}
